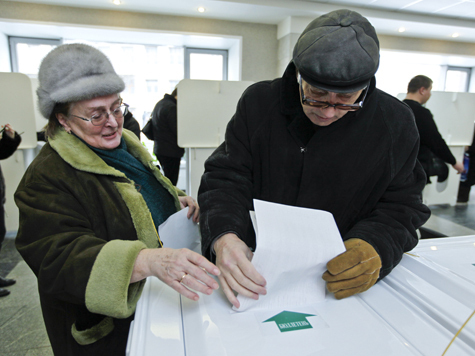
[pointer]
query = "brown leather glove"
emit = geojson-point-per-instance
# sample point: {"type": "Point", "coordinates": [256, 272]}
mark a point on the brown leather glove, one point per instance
{"type": "Point", "coordinates": [353, 271]}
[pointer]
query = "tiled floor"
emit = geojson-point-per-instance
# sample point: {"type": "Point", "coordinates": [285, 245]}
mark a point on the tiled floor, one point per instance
{"type": "Point", "coordinates": [22, 332]}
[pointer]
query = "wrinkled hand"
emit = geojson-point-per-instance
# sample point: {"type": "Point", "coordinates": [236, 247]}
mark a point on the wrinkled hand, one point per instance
{"type": "Point", "coordinates": [353, 271]}
{"type": "Point", "coordinates": [183, 270]}
{"type": "Point", "coordinates": [194, 208]}
{"type": "Point", "coordinates": [233, 258]}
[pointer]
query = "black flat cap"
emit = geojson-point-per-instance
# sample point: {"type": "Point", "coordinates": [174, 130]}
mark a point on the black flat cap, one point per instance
{"type": "Point", "coordinates": [338, 52]}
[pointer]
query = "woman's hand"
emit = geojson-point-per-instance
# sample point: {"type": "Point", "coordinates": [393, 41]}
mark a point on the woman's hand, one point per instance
{"type": "Point", "coordinates": [183, 270]}
{"type": "Point", "coordinates": [194, 208]}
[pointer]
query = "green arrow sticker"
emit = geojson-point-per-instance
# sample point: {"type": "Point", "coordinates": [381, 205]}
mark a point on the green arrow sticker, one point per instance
{"type": "Point", "coordinates": [290, 321]}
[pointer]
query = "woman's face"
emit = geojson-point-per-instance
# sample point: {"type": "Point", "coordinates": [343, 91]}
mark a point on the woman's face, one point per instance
{"type": "Point", "coordinates": [106, 136]}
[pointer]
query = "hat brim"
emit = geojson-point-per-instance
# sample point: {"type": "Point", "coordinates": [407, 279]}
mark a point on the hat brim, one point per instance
{"type": "Point", "coordinates": [336, 89]}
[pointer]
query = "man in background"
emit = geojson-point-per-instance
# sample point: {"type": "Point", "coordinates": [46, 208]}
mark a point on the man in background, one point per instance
{"type": "Point", "coordinates": [165, 145]}
{"type": "Point", "coordinates": [433, 151]}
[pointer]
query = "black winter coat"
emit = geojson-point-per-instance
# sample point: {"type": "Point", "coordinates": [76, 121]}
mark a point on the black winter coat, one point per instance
{"type": "Point", "coordinates": [362, 169]}
{"type": "Point", "coordinates": [164, 122]}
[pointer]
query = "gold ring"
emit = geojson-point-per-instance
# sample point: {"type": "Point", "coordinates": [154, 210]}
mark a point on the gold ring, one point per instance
{"type": "Point", "coordinates": [182, 278]}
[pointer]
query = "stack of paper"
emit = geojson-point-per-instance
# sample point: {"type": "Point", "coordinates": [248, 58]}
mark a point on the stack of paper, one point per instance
{"type": "Point", "coordinates": [293, 247]}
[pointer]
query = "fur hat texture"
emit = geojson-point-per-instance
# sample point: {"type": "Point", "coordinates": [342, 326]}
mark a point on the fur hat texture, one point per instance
{"type": "Point", "coordinates": [338, 52]}
{"type": "Point", "coordinates": [75, 72]}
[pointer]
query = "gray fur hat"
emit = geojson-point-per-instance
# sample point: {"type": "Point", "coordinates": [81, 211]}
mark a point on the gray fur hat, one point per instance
{"type": "Point", "coordinates": [338, 52]}
{"type": "Point", "coordinates": [75, 72]}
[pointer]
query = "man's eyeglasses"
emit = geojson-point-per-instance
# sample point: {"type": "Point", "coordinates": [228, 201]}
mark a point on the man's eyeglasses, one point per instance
{"type": "Point", "coordinates": [326, 104]}
{"type": "Point", "coordinates": [100, 119]}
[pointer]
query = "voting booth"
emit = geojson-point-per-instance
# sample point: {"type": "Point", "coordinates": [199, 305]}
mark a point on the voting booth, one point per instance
{"type": "Point", "coordinates": [454, 115]}
{"type": "Point", "coordinates": [423, 307]}
{"type": "Point", "coordinates": [204, 108]}
{"type": "Point", "coordinates": [18, 103]}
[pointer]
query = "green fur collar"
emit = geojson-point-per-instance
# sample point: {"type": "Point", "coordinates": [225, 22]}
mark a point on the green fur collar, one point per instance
{"type": "Point", "coordinates": [78, 155]}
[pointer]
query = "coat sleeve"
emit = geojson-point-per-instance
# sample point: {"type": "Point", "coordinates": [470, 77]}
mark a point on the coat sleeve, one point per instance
{"type": "Point", "coordinates": [71, 262]}
{"type": "Point", "coordinates": [391, 225]}
{"type": "Point", "coordinates": [431, 137]}
{"type": "Point", "coordinates": [225, 193]}
{"type": "Point", "coordinates": [9, 145]}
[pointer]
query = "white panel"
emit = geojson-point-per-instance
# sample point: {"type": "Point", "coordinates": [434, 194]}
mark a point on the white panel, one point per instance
{"type": "Point", "coordinates": [40, 120]}
{"type": "Point", "coordinates": [16, 101]}
{"type": "Point", "coordinates": [196, 158]}
{"type": "Point", "coordinates": [204, 108]}
{"type": "Point", "coordinates": [454, 116]}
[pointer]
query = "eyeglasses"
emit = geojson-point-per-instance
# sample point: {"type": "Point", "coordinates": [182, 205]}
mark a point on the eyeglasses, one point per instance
{"type": "Point", "coordinates": [326, 104]}
{"type": "Point", "coordinates": [101, 119]}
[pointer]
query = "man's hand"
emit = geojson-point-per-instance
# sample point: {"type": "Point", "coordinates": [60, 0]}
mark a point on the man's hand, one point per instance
{"type": "Point", "coordinates": [233, 258]}
{"type": "Point", "coordinates": [194, 208]}
{"type": "Point", "coordinates": [353, 271]}
{"type": "Point", "coordinates": [458, 166]}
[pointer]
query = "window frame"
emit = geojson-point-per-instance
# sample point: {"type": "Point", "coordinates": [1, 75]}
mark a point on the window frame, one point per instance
{"type": "Point", "coordinates": [190, 50]}
{"type": "Point", "coordinates": [467, 70]}
{"type": "Point", "coordinates": [14, 40]}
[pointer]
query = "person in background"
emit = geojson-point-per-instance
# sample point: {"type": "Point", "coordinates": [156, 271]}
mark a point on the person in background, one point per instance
{"type": "Point", "coordinates": [465, 185]}
{"type": "Point", "coordinates": [433, 150]}
{"type": "Point", "coordinates": [8, 144]}
{"type": "Point", "coordinates": [130, 123]}
{"type": "Point", "coordinates": [165, 147]}
{"type": "Point", "coordinates": [90, 204]}
{"type": "Point", "coordinates": [321, 137]}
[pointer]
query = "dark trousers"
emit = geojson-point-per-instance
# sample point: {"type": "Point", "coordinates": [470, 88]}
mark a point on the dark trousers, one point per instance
{"type": "Point", "coordinates": [171, 167]}
{"type": "Point", "coordinates": [3, 229]}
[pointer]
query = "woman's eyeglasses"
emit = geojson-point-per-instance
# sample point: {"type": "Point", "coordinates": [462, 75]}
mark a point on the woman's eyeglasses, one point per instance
{"type": "Point", "coordinates": [326, 104]}
{"type": "Point", "coordinates": [100, 119]}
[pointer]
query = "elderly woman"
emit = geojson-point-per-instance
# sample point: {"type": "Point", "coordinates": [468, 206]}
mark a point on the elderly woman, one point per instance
{"type": "Point", "coordinates": [89, 206]}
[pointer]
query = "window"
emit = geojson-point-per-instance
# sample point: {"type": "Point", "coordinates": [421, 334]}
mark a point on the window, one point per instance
{"type": "Point", "coordinates": [457, 79]}
{"type": "Point", "coordinates": [27, 53]}
{"type": "Point", "coordinates": [129, 81]}
{"type": "Point", "coordinates": [208, 64]}
{"type": "Point", "coordinates": [152, 55]}
{"type": "Point", "coordinates": [152, 86]}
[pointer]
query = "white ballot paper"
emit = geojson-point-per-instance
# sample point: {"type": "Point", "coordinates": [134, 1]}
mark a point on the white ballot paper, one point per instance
{"type": "Point", "coordinates": [180, 232]}
{"type": "Point", "coordinates": [293, 247]}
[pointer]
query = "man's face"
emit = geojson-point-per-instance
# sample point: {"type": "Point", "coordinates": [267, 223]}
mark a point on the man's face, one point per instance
{"type": "Point", "coordinates": [425, 94]}
{"type": "Point", "coordinates": [326, 116]}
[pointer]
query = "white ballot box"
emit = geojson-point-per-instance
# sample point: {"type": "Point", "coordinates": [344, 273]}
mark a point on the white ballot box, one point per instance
{"type": "Point", "coordinates": [416, 310]}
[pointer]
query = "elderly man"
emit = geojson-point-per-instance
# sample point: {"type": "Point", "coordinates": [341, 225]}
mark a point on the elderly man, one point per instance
{"type": "Point", "coordinates": [320, 137]}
